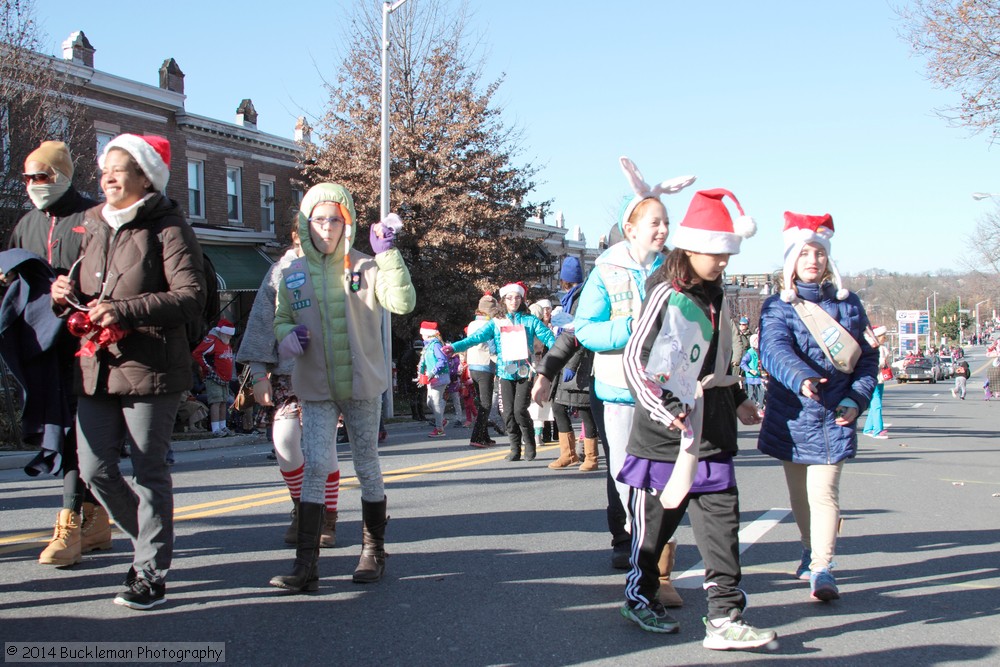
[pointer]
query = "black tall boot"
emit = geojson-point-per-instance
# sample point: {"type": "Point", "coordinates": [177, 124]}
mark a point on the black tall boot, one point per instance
{"type": "Point", "coordinates": [515, 447]}
{"type": "Point", "coordinates": [371, 566]}
{"type": "Point", "coordinates": [305, 573]}
{"type": "Point", "coordinates": [529, 444]}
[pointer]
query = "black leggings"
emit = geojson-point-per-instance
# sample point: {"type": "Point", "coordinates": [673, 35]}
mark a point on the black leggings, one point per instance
{"type": "Point", "coordinates": [482, 395]}
{"type": "Point", "coordinates": [564, 424]}
{"type": "Point", "coordinates": [516, 396]}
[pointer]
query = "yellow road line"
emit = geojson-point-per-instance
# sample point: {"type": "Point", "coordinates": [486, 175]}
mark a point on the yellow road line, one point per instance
{"type": "Point", "coordinates": [24, 541]}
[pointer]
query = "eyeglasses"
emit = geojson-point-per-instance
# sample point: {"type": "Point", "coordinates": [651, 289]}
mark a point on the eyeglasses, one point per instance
{"type": "Point", "coordinates": [512, 297]}
{"type": "Point", "coordinates": [325, 221]}
{"type": "Point", "coordinates": [38, 177]}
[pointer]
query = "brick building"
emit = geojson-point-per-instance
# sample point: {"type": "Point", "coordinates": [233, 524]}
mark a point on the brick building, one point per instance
{"type": "Point", "coordinates": [236, 184]}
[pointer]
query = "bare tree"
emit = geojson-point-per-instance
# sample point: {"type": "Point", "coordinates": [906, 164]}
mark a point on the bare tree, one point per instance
{"type": "Point", "coordinates": [984, 244]}
{"type": "Point", "coordinates": [35, 105]}
{"type": "Point", "coordinates": [961, 41]}
{"type": "Point", "coordinates": [453, 177]}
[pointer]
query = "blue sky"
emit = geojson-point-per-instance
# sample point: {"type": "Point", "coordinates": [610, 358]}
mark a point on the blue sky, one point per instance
{"type": "Point", "coordinates": [812, 107]}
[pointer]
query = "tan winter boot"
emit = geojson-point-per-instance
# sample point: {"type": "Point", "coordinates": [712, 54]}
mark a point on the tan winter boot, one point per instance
{"type": "Point", "coordinates": [64, 549]}
{"type": "Point", "coordinates": [590, 453]}
{"type": "Point", "coordinates": [96, 530]}
{"type": "Point", "coordinates": [668, 594]}
{"type": "Point", "coordinates": [567, 452]}
{"type": "Point", "coordinates": [328, 535]}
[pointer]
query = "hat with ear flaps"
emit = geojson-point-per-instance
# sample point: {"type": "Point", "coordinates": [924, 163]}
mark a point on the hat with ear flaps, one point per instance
{"type": "Point", "coordinates": [801, 229]}
{"type": "Point", "coordinates": [332, 193]}
{"type": "Point", "coordinates": [645, 191]}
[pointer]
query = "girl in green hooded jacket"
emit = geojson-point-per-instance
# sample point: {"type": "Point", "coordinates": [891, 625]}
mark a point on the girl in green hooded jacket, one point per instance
{"type": "Point", "coordinates": [328, 317]}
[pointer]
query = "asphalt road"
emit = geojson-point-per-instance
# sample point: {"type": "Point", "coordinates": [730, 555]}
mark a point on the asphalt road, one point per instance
{"type": "Point", "coordinates": [498, 563]}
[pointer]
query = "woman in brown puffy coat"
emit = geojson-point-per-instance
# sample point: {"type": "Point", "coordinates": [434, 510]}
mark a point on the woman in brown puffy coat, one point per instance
{"type": "Point", "coordinates": [140, 280]}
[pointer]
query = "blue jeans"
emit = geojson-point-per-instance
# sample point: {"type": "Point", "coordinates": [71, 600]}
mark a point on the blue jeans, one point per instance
{"type": "Point", "coordinates": [874, 423]}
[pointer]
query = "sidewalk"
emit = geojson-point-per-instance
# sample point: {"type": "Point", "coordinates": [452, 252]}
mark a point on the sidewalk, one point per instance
{"type": "Point", "coordinates": [15, 460]}
{"type": "Point", "coordinates": [10, 460]}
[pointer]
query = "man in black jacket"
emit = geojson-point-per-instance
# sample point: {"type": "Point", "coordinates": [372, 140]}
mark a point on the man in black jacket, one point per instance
{"type": "Point", "coordinates": [53, 230]}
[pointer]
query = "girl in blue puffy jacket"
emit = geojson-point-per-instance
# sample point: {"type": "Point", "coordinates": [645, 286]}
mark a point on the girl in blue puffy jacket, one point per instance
{"type": "Point", "coordinates": [813, 405]}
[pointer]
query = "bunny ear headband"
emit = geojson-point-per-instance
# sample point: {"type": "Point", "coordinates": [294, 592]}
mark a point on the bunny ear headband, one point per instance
{"type": "Point", "coordinates": [643, 190]}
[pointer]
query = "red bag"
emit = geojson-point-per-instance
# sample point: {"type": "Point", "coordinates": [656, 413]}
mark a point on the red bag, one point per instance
{"type": "Point", "coordinates": [886, 374]}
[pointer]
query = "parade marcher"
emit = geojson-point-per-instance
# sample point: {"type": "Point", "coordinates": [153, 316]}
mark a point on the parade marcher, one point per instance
{"type": "Point", "coordinates": [53, 230]}
{"type": "Point", "coordinates": [609, 302]}
{"type": "Point", "coordinates": [678, 365]}
{"type": "Point", "coordinates": [434, 373]}
{"type": "Point", "coordinates": [214, 357]}
{"type": "Point", "coordinates": [751, 369]}
{"type": "Point", "coordinates": [961, 379]}
{"type": "Point", "coordinates": [481, 359]}
{"type": "Point", "coordinates": [874, 422]}
{"type": "Point", "coordinates": [514, 335]}
{"type": "Point", "coordinates": [564, 378]}
{"type": "Point", "coordinates": [741, 343]}
{"type": "Point", "coordinates": [140, 281]}
{"type": "Point", "coordinates": [272, 388]}
{"type": "Point", "coordinates": [822, 374]}
{"type": "Point", "coordinates": [329, 313]}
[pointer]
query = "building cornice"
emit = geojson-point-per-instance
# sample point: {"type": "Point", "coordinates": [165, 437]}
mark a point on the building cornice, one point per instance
{"type": "Point", "coordinates": [209, 126]}
{"type": "Point", "coordinates": [89, 78]}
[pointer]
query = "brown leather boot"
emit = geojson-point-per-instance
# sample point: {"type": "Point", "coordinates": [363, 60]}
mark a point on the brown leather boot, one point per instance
{"type": "Point", "coordinates": [328, 536]}
{"type": "Point", "coordinates": [292, 532]}
{"type": "Point", "coordinates": [668, 594]}
{"type": "Point", "coordinates": [96, 530]}
{"type": "Point", "coordinates": [590, 454]}
{"type": "Point", "coordinates": [371, 567]}
{"type": "Point", "coordinates": [567, 452]}
{"type": "Point", "coordinates": [64, 549]}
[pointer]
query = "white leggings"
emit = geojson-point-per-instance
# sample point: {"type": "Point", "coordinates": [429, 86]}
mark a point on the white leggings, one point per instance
{"type": "Point", "coordinates": [814, 492]}
{"type": "Point", "coordinates": [618, 428]}
{"type": "Point", "coordinates": [286, 434]}
{"type": "Point", "coordinates": [319, 446]}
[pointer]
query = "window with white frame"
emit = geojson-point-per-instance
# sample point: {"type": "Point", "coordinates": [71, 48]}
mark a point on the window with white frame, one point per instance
{"type": "Point", "coordinates": [234, 194]}
{"type": "Point", "coordinates": [267, 206]}
{"type": "Point", "coordinates": [103, 139]}
{"type": "Point", "coordinates": [196, 188]}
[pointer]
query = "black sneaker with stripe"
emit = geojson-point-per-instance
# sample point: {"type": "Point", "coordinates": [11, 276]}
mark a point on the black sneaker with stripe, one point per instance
{"type": "Point", "coordinates": [142, 594]}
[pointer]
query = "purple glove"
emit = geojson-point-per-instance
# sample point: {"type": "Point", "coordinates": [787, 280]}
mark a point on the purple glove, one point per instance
{"type": "Point", "coordinates": [568, 375]}
{"type": "Point", "coordinates": [295, 343]}
{"type": "Point", "coordinates": [383, 234]}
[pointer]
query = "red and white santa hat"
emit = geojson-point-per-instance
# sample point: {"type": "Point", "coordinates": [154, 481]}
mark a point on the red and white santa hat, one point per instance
{"type": "Point", "coordinates": [709, 228]}
{"type": "Point", "coordinates": [226, 327]}
{"type": "Point", "coordinates": [428, 329]}
{"type": "Point", "coordinates": [512, 288]}
{"type": "Point", "coordinates": [151, 152]}
{"type": "Point", "coordinates": [799, 230]}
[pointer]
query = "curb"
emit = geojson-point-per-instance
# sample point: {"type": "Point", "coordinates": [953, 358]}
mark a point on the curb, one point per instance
{"type": "Point", "coordinates": [15, 460]}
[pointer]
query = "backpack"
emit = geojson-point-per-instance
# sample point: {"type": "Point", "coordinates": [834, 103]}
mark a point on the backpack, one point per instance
{"type": "Point", "coordinates": [199, 327]}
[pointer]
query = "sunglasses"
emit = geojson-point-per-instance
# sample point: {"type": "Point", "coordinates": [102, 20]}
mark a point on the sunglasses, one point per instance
{"type": "Point", "coordinates": [39, 177]}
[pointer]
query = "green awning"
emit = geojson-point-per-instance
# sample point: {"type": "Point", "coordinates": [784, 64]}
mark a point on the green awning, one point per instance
{"type": "Point", "coordinates": [239, 268]}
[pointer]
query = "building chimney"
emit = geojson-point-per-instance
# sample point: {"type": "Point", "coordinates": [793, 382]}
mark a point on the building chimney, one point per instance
{"type": "Point", "coordinates": [303, 133]}
{"type": "Point", "coordinates": [246, 115]}
{"type": "Point", "coordinates": [78, 49]}
{"type": "Point", "coordinates": [171, 76]}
